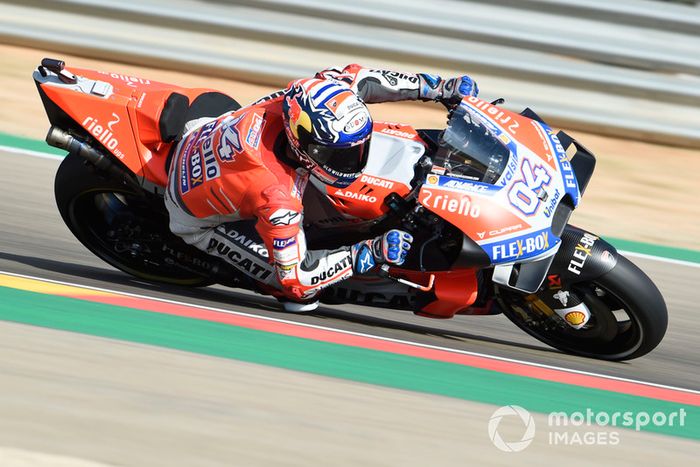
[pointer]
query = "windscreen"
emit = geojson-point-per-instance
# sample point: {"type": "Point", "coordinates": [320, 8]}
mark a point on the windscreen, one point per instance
{"type": "Point", "coordinates": [468, 149]}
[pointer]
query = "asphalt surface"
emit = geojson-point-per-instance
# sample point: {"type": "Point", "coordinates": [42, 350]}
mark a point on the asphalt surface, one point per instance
{"type": "Point", "coordinates": [34, 241]}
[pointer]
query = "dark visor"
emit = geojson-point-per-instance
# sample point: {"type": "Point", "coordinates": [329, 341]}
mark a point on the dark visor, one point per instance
{"type": "Point", "coordinates": [345, 160]}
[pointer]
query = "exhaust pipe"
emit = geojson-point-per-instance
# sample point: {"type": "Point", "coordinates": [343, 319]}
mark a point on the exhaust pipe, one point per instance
{"type": "Point", "coordinates": [59, 138]}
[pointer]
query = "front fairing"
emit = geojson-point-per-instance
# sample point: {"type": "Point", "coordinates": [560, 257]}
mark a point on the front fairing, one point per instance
{"type": "Point", "coordinates": [511, 219]}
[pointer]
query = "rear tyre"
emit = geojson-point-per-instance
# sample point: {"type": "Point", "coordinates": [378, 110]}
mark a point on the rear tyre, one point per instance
{"type": "Point", "coordinates": [629, 316]}
{"type": "Point", "coordinates": [126, 229]}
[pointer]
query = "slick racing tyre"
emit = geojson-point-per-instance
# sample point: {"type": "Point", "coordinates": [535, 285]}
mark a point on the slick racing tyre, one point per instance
{"type": "Point", "coordinates": [628, 315]}
{"type": "Point", "coordinates": [126, 229]}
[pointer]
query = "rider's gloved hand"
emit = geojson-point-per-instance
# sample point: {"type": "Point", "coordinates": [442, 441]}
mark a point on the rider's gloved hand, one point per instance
{"type": "Point", "coordinates": [450, 92]}
{"type": "Point", "coordinates": [391, 248]}
{"type": "Point", "coordinates": [455, 89]}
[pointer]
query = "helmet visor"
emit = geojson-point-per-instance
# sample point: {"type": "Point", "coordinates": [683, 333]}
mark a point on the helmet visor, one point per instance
{"type": "Point", "coordinates": [342, 162]}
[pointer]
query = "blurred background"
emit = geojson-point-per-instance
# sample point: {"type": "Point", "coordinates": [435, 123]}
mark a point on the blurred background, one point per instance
{"type": "Point", "coordinates": [624, 68]}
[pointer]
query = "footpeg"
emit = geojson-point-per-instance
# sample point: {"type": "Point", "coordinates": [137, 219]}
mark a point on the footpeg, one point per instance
{"type": "Point", "coordinates": [384, 271]}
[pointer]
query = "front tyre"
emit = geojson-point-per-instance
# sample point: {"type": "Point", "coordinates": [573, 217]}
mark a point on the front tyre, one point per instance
{"type": "Point", "coordinates": [628, 315]}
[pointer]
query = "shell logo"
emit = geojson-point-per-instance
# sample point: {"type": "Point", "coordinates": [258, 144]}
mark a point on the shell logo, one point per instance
{"type": "Point", "coordinates": [432, 179]}
{"type": "Point", "coordinates": [575, 318]}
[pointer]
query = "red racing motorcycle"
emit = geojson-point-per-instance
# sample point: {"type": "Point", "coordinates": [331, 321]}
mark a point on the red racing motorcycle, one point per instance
{"type": "Point", "coordinates": [487, 199]}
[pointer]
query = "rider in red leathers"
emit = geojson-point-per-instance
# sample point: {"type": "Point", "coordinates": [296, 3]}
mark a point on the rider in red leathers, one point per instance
{"type": "Point", "coordinates": [236, 182]}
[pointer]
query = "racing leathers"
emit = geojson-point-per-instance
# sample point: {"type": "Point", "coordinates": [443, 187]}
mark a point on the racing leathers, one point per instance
{"type": "Point", "coordinates": [234, 192]}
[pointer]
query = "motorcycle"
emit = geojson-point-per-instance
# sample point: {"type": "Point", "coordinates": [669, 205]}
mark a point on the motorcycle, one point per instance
{"type": "Point", "coordinates": [487, 199]}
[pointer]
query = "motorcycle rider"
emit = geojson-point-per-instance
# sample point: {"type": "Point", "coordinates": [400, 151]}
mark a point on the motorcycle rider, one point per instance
{"type": "Point", "coordinates": [236, 181]}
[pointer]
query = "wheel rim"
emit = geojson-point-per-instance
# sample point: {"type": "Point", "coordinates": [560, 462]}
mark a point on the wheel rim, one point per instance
{"type": "Point", "coordinates": [123, 230]}
{"type": "Point", "coordinates": [613, 331]}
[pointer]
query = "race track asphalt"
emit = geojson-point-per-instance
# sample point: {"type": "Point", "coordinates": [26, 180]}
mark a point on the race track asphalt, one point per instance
{"type": "Point", "coordinates": [34, 241]}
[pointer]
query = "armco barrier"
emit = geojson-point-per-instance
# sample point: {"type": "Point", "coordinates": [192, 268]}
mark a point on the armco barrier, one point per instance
{"type": "Point", "coordinates": [623, 79]}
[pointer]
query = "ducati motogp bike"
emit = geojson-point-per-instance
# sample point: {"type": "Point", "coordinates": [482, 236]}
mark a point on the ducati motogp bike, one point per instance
{"type": "Point", "coordinates": [487, 199]}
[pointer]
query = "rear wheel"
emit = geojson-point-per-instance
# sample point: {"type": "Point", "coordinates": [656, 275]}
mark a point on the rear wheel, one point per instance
{"type": "Point", "coordinates": [628, 315]}
{"type": "Point", "coordinates": [125, 228]}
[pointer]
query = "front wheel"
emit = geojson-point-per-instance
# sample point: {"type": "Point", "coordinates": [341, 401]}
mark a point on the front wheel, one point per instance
{"type": "Point", "coordinates": [628, 315]}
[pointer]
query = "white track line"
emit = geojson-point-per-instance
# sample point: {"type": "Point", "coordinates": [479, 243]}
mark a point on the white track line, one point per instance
{"type": "Point", "coordinates": [678, 262]}
{"type": "Point", "coordinates": [27, 152]}
{"type": "Point", "coordinates": [371, 336]}
{"type": "Point", "coordinates": [662, 259]}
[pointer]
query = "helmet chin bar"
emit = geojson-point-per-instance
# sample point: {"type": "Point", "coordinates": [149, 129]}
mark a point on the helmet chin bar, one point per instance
{"type": "Point", "coordinates": [316, 170]}
{"type": "Point", "coordinates": [324, 175]}
{"type": "Point", "coordinates": [329, 179]}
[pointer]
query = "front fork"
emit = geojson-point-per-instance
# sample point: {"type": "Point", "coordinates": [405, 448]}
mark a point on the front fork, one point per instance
{"type": "Point", "coordinates": [582, 257]}
{"type": "Point", "coordinates": [565, 303]}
